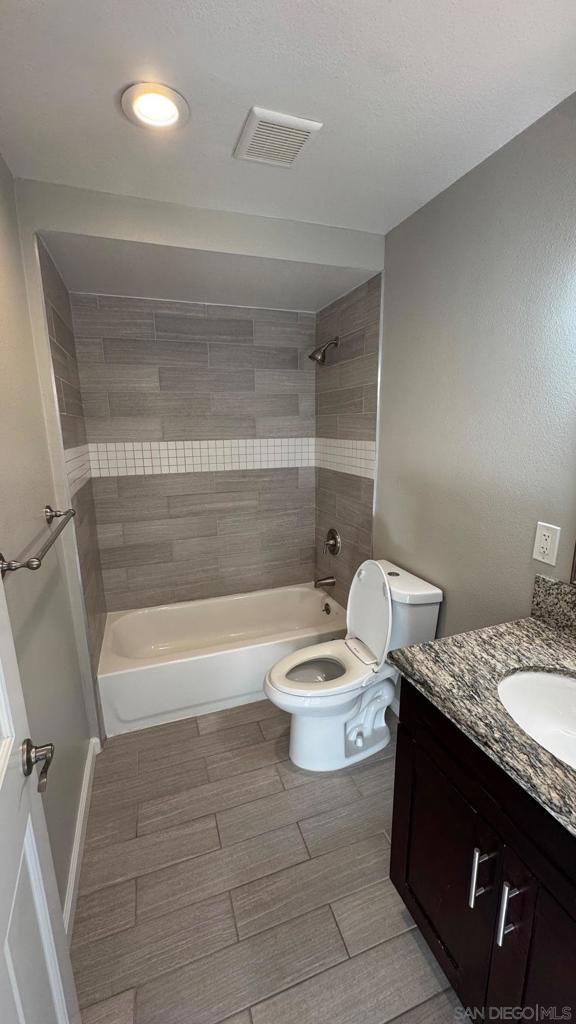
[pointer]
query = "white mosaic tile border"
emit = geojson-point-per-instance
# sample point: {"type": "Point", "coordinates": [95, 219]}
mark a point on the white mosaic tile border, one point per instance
{"type": "Point", "coordinates": [133, 458]}
{"type": "Point", "coordinates": [355, 457]}
{"type": "Point", "coordinates": [142, 458]}
{"type": "Point", "coordinates": [77, 462]}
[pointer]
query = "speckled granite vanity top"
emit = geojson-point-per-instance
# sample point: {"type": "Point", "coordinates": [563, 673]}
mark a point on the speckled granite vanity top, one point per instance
{"type": "Point", "coordinates": [460, 675]}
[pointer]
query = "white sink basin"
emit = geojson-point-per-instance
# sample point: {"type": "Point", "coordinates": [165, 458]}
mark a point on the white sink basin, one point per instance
{"type": "Point", "coordinates": [544, 705]}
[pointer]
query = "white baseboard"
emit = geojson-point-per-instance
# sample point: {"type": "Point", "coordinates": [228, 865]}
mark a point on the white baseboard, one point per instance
{"type": "Point", "coordinates": [79, 836]}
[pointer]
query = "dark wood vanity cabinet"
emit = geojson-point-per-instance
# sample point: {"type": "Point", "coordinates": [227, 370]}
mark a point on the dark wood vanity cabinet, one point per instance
{"type": "Point", "coordinates": [488, 875]}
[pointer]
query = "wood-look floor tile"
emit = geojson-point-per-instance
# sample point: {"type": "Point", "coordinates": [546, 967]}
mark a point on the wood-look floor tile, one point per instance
{"type": "Point", "coordinates": [150, 739]}
{"type": "Point", "coordinates": [216, 872]}
{"type": "Point", "coordinates": [373, 987]}
{"type": "Point", "coordinates": [273, 728]}
{"type": "Point", "coordinates": [118, 1010]}
{"type": "Point", "coordinates": [293, 776]}
{"type": "Point", "coordinates": [113, 767]}
{"type": "Point", "coordinates": [208, 991]}
{"type": "Point", "coordinates": [107, 824]}
{"type": "Point", "coordinates": [104, 912]}
{"type": "Point", "coordinates": [165, 812]}
{"type": "Point", "coordinates": [148, 786]}
{"type": "Point", "coordinates": [292, 805]}
{"type": "Point", "coordinates": [256, 711]}
{"type": "Point", "coordinates": [120, 861]}
{"type": "Point", "coordinates": [175, 756]}
{"type": "Point", "coordinates": [151, 948]}
{"type": "Point", "coordinates": [377, 777]}
{"type": "Point", "coordinates": [371, 916]}
{"type": "Point", "coordinates": [341, 826]}
{"type": "Point", "coordinates": [441, 1009]}
{"type": "Point", "coordinates": [247, 759]}
{"type": "Point", "coordinates": [313, 883]}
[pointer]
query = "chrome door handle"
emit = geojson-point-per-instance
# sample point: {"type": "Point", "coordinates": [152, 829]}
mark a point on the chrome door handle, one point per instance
{"type": "Point", "coordinates": [502, 929]}
{"type": "Point", "coordinates": [474, 890]}
{"type": "Point", "coordinates": [32, 755]}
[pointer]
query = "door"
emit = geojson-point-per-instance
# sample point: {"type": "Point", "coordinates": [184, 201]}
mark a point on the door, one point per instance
{"type": "Point", "coordinates": [551, 971]}
{"type": "Point", "coordinates": [36, 984]}
{"type": "Point", "coordinates": [445, 864]}
{"type": "Point", "coordinates": [513, 933]}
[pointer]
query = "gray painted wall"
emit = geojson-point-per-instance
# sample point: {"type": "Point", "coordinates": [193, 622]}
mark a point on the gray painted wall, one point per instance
{"type": "Point", "coordinates": [478, 391]}
{"type": "Point", "coordinates": [38, 602]}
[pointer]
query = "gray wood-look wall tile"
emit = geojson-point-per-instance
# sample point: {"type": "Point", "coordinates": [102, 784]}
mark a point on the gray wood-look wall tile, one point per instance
{"type": "Point", "coordinates": [346, 408]}
{"type": "Point", "coordinates": [173, 327]}
{"type": "Point", "coordinates": [169, 353]}
{"type": "Point", "coordinates": [290, 806]}
{"type": "Point", "coordinates": [150, 949]}
{"type": "Point", "coordinates": [179, 371]}
{"type": "Point", "coordinates": [65, 365]}
{"type": "Point", "coordinates": [208, 991]}
{"type": "Point", "coordinates": [385, 982]}
{"type": "Point", "coordinates": [297, 890]}
{"type": "Point", "coordinates": [197, 879]}
{"type": "Point", "coordinates": [370, 916]}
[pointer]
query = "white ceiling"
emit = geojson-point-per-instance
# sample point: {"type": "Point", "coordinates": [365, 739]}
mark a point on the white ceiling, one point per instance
{"type": "Point", "coordinates": [111, 267]}
{"type": "Point", "coordinates": [412, 93]}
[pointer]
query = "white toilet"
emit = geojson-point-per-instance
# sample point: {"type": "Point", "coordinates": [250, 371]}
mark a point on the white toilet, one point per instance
{"type": "Point", "coordinates": [338, 692]}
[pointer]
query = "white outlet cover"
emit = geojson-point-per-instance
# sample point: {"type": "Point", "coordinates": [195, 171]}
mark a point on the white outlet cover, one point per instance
{"type": "Point", "coordinates": [546, 543]}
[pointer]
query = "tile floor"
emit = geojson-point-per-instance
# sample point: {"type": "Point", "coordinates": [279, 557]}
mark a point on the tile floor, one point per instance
{"type": "Point", "coordinates": [221, 883]}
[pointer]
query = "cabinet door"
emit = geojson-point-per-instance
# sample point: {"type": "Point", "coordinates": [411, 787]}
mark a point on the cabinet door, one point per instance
{"type": "Point", "coordinates": [445, 865]}
{"type": "Point", "coordinates": [551, 973]}
{"type": "Point", "coordinates": [513, 933]}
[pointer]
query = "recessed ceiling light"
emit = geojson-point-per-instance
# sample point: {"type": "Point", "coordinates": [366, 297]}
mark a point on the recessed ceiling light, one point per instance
{"type": "Point", "coordinates": [154, 106]}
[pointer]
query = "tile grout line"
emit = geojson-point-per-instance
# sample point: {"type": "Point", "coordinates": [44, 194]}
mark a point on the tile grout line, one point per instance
{"type": "Point", "coordinates": [334, 918]}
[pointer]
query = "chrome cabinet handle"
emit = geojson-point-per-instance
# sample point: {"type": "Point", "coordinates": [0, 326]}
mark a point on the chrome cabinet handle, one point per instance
{"type": "Point", "coordinates": [32, 755]}
{"type": "Point", "coordinates": [475, 890]}
{"type": "Point", "coordinates": [508, 892]}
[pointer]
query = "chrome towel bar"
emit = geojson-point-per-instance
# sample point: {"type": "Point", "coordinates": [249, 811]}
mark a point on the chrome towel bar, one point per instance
{"type": "Point", "coordinates": [36, 561]}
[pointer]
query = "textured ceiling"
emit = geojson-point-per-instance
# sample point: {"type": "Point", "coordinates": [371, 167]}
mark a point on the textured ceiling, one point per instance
{"type": "Point", "coordinates": [111, 267]}
{"type": "Point", "coordinates": [412, 93]}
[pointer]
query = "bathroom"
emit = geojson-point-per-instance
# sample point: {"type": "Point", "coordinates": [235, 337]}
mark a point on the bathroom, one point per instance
{"type": "Point", "coordinates": [296, 654]}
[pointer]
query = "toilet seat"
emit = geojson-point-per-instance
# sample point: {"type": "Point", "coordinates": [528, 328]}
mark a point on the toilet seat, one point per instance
{"type": "Point", "coordinates": [356, 673]}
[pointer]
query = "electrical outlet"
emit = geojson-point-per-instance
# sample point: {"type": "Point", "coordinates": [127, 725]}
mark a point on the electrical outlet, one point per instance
{"type": "Point", "coordinates": [546, 543]}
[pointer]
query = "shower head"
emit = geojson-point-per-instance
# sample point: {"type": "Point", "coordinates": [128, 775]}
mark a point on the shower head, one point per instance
{"type": "Point", "coordinates": [319, 354]}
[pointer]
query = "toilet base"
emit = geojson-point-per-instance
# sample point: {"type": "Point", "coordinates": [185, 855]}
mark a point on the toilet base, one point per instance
{"type": "Point", "coordinates": [327, 743]}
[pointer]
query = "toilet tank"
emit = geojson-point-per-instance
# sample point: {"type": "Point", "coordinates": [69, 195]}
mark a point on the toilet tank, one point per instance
{"type": "Point", "coordinates": [415, 606]}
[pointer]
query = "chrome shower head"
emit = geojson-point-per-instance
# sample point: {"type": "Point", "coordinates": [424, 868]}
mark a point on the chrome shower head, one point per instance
{"type": "Point", "coordinates": [319, 354]}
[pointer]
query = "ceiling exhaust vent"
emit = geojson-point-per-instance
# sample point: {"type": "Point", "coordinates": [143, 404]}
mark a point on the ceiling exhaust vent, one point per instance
{"type": "Point", "coordinates": [272, 138]}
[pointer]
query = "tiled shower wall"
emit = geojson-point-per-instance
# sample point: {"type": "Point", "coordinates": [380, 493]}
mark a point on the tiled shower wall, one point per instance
{"type": "Point", "coordinates": [200, 421]}
{"type": "Point", "coordinates": [346, 407]}
{"type": "Point", "coordinates": [65, 366]}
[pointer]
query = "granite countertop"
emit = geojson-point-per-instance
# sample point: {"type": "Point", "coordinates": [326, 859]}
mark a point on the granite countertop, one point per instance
{"type": "Point", "coordinates": [460, 675]}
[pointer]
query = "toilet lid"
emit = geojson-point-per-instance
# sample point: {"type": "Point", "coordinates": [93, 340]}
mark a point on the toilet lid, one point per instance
{"type": "Point", "coordinates": [369, 613]}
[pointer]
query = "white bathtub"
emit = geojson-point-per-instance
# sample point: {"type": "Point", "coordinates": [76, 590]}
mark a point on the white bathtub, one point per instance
{"type": "Point", "coordinates": [162, 664]}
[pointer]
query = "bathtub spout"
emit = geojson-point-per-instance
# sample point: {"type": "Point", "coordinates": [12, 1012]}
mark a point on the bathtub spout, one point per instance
{"type": "Point", "coordinates": [325, 581]}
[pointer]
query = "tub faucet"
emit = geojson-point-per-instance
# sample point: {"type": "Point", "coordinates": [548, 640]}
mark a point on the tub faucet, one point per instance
{"type": "Point", "coordinates": [325, 581]}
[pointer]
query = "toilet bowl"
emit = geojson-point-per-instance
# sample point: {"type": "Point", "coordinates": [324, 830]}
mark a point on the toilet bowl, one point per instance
{"type": "Point", "coordinates": [337, 692]}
